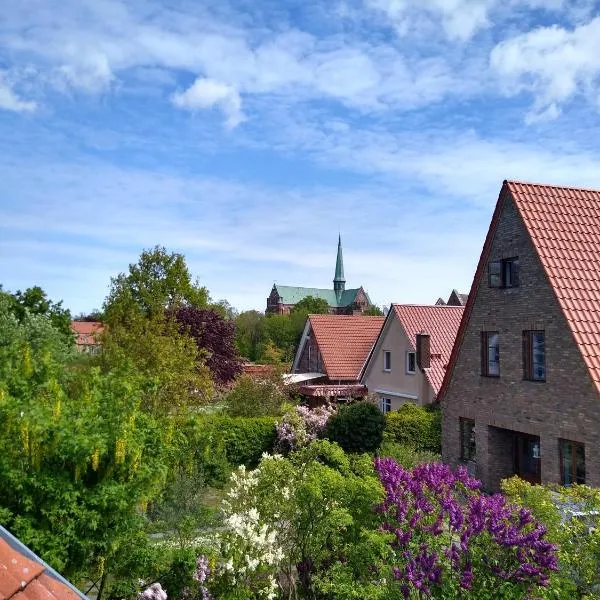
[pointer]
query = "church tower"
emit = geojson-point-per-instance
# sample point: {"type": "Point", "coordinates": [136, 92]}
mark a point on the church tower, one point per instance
{"type": "Point", "coordinates": [339, 283]}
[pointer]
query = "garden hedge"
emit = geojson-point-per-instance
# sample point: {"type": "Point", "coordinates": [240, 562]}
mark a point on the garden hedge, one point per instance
{"type": "Point", "coordinates": [356, 427]}
{"type": "Point", "coordinates": [416, 427]}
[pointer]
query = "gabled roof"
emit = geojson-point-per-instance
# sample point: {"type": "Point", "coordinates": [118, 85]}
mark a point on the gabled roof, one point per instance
{"type": "Point", "coordinates": [344, 342]}
{"type": "Point", "coordinates": [292, 295]}
{"type": "Point", "coordinates": [25, 576]}
{"type": "Point", "coordinates": [441, 323]}
{"type": "Point", "coordinates": [86, 331]}
{"type": "Point", "coordinates": [457, 299]}
{"type": "Point", "coordinates": [564, 226]}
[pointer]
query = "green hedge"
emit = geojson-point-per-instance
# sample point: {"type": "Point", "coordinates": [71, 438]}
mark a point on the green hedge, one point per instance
{"type": "Point", "coordinates": [237, 440]}
{"type": "Point", "coordinates": [415, 427]}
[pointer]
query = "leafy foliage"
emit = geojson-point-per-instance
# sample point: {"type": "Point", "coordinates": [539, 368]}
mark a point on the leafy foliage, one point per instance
{"type": "Point", "coordinates": [35, 301]}
{"type": "Point", "coordinates": [78, 456]}
{"type": "Point", "coordinates": [157, 282]}
{"type": "Point", "coordinates": [572, 518]}
{"type": "Point", "coordinates": [250, 334]}
{"type": "Point", "coordinates": [252, 397]}
{"type": "Point", "coordinates": [311, 306]}
{"type": "Point", "coordinates": [373, 311]}
{"type": "Point", "coordinates": [290, 523]}
{"type": "Point", "coordinates": [214, 336]}
{"type": "Point", "coordinates": [301, 425]}
{"type": "Point", "coordinates": [415, 427]}
{"type": "Point", "coordinates": [357, 427]}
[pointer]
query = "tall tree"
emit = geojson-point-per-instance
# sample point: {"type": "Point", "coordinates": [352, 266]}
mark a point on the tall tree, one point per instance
{"type": "Point", "coordinates": [250, 335]}
{"type": "Point", "coordinates": [373, 311]}
{"type": "Point", "coordinates": [214, 337]}
{"type": "Point", "coordinates": [159, 281]}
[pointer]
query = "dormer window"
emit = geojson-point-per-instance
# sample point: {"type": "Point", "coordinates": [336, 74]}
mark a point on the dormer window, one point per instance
{"type": "Point", "coordinates": [504, 273]}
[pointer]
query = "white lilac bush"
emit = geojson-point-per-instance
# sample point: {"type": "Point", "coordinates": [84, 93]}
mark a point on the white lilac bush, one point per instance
{"type": "Point", "coordinates": [301, 425]}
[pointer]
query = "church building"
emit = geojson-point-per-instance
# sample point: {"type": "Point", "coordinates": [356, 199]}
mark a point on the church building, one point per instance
{"type": "Point", "coordinates": [341, 301]}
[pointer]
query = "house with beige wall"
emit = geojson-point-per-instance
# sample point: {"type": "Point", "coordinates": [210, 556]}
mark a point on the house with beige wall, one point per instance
{"type": "Point", "coordinates": [408, 360]}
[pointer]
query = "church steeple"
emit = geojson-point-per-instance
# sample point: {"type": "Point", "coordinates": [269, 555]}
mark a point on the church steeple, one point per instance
{"type": "Point", "coordinates": [339, 283]}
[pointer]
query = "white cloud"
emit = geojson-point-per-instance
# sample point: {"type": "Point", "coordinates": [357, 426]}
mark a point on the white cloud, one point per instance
{"type": "Point", "coordinates": [207, 93]}
{"type": "Point", "coordinates": [553, 63]}
{"type": "Point", "coordinates": [11, 101]}
{"type": "Point", "coordinates": [460, 19]}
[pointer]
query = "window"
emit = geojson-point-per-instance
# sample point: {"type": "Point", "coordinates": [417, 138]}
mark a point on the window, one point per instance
{"type": "Point", "coordinates": [387, 360]}
{"type": "Point", "coordinates": [504, 273]}
{"type": "Point", "coordinates": [534, 355]}
{"type": "Point", "coordinates": [572, 462]}
{"type": "Point", "coordinates": [490, 353]}
{"type": "Point", "coordinates": [411, 362]}
{"type": "Point", "coordinates": [467, 439]}
{"type": "Point", "coordinates": [385, 405]}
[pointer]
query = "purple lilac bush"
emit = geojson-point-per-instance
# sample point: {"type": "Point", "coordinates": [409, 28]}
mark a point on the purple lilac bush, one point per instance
{"type": "Point", "coordinates": [447, 535]}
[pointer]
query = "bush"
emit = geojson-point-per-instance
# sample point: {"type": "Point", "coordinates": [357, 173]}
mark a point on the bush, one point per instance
{"type": "Point", "coordinates": [357, 427]}
{"type": "Point", "coordinates": [416, 427]}
{"type": "Point", "coordinates": [237, 440]}
{"type": "Point", "coordinates": [405, 455]}
{"type": "Point", "coordinates": [257, 398]}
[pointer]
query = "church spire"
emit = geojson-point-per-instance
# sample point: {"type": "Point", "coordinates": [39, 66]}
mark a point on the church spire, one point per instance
{"type": "Point", "coordinates": [339, 283]}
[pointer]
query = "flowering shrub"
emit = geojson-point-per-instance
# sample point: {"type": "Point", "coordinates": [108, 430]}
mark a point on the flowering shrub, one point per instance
{"type": "Point", "coordinates": [153, 592]}
{"type": "Point", "coordinates": [448, 537]}
{"type": "Point", "coordinates": [301, 425]}
{"type": "Point", "coordinates": [290, 521]}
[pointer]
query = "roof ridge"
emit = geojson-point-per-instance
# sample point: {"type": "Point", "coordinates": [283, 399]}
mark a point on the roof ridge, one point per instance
{"type": "Point", "coordinates": [428, 305]}
{"type": "Point", "coordinates": [551, 185]}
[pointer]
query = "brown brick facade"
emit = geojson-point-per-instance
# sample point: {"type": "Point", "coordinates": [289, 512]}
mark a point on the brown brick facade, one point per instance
{"type": "Point", "coordinates": [566, 405]}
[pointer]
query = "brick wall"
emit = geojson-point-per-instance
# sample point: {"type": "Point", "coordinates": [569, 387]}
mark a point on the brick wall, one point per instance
{"type": "Point", "coordinates": [310, 359]}
{"type": "Point", "coordinates": [566, 405]}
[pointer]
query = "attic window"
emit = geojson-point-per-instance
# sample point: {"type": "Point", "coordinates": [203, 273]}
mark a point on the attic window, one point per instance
{"type": "Point", "coordinates": [504, 273]}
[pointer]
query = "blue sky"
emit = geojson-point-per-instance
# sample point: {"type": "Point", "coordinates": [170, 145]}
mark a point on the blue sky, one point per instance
{"type": "Point", "coordinates": [247, 133]}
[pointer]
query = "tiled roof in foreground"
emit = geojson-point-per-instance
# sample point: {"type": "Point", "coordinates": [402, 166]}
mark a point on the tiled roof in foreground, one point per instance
{"type": "Point", "coordinates": [24, 576]}
{"type": "Point", "coordinates": [345, 342]}
{"type": "Point", "coordinates": [564, 225]}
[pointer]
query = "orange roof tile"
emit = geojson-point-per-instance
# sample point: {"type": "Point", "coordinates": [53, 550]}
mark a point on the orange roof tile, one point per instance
{"type": "Point", "coordinates": [564, 226]}
{"type": "Point", "coordinates": [86, 331]}
{"type": "Point", "coordinates": [23, 578]}
{"type": "Point", "coordinates": [345, 342]}
{"type": "Point", "coordinates": [441, 323]}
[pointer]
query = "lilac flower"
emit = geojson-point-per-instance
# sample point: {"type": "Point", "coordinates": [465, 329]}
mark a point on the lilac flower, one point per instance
{"type": "Point", "coordinates": [441, 523]}
{"type": "Point", "coordinates": [202, 569]}
{"type": "Point", "coordinates": [301, 426]}
{"type": "Point", "coordinates": [154, 592]}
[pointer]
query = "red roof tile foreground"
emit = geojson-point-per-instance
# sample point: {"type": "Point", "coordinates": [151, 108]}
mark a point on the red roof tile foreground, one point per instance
{"type": "Point", "coordinates": [345, 343]}
{"type": "Point", "coordinates": [86, 331]}
{"type": "Point", "coordinates": [441, 323]}
{"type": "Point", "coordinates": [22, 577]}
{"type": "Point", "coordinates": [564, 226]}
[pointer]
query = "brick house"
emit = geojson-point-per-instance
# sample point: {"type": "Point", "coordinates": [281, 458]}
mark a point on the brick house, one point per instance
{"type": "Point", "coordinates": [455, 299]}
{"type": "Point", "coordinates": [341, 301]}
{"type": "Point", "coordinates": [409, 358]}
{"type": "Point", "coordinates": [332, 353]}
{"type": "Point", "coordinates": [521, 393]}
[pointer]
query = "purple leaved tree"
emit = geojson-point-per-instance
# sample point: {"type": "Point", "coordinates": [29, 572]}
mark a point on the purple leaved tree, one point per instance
{"type": "Point", "coordinates": [214, 335]}
{"type": "Point", "coordinates": [449, 538]}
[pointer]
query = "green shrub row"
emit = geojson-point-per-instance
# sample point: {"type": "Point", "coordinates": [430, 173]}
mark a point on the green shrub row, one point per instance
{"type": "Point", "coordinates": [215, 444]}
{"type": "Point", "coordinates": [416, 427]}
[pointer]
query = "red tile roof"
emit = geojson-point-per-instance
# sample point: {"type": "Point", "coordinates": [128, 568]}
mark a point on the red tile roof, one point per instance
{"type": "Point", "coordinates": [564, 226]}
{"type": "Point", "coordinates": [441, 323]}
{"type": "Point", "coordinates": [345, 342]}
{"type": "Point", "coordinates": [22, 578]}
{"type": "Point", "coordinates": [86, 330]}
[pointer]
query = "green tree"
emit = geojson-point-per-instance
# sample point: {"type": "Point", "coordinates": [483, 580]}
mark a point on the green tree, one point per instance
{"type": "Point", "coordinates": [373, 311]}
{"type": "Point", "coordinates": [257, 398]}
{"type": "Point", "coordinates": [35, 301]}
{"type": "Point", "coordinates": [158, 282]}
{"type": "Point", "coordinates": [357, 427]}
{"type": "Point", "coordinates": [79, 458]}
{"type": "Point", "coordinates": [250, 334]}
{"type": "Point", "coordinates": [142, 331]}
{"type": "Point", "coordinates": [280, 330]}
{"type": "Point", "coordinates": [311, 306]}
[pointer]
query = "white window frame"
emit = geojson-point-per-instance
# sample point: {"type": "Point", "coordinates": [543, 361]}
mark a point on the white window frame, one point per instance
{"type": "Point", "coordinates": [408, 371]}
{"type": "Point", "coordinates": [387, 353]}
{"type": "Point", "coordinates": [385, 405]}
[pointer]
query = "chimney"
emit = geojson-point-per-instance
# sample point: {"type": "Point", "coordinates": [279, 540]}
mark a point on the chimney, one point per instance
{"type": "Point", "coordinates": [423, 350]}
